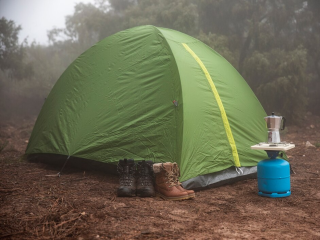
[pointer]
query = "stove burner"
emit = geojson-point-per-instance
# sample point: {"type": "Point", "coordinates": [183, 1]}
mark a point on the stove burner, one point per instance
{"type": "Point", "coordinates": [275, 144]}
{"type": "Point", "coordinates": [283, 146]}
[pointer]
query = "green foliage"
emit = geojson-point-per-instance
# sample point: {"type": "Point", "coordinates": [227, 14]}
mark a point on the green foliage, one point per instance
{"type": "Point", "coordinates": [220, 43]}
{"type": "Point", "coordinates": [308, 26]}
{"type": "Point", "coordinates": [12, 54]}
{"type": "Point", "coordinates": [180, 15]}
{"type": "Point", "coordinates": [279, 78]}
{"type": "Point", "coordinates": [84, 28]}
{"type": "Point", "coordinates": [274, 44]}
{"type": "Point", "coordinates": [120, 6]}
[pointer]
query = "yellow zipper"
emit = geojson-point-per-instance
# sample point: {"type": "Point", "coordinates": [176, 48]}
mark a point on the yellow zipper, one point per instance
{"type": "Point", "coordinates": [222, 111]}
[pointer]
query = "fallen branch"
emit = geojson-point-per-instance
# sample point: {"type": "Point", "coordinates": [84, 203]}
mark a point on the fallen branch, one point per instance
{"type": "Point", "coordinates": [73, 219]}
{"type": "Point", "coordinates": [78, 179]}
{"type": "Point", "coordinates": [10, 190]}
{"type": "Point", "coordinates": [28, 218]}
{"type": "Point", "coordinates": [11, 234]}
{"type": "Point", "coordinates": [33, 172]}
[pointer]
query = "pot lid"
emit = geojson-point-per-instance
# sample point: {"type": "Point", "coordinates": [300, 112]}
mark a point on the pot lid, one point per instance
{"type": "Point", "coordinates": [273, 116]}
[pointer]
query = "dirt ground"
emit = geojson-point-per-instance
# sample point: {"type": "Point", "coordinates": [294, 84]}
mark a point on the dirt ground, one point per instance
{"type": "Point", "coordinates": [34, 204]}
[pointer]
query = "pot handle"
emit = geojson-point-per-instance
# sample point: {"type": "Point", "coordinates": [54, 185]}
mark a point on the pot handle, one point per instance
{"type": "Point", "coordinates": [283, 123]}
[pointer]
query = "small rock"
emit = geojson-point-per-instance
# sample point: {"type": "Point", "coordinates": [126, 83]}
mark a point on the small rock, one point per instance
{"type": "Point", "coordinates": [145, 231]}
{"type": "Point", "coordinates": [308, 144]}
{"type": "Point", "coordinates": [312, 126]}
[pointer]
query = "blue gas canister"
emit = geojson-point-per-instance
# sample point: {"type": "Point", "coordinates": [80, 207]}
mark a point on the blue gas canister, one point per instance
{"type": "Point", "coordinates": [274, 178]}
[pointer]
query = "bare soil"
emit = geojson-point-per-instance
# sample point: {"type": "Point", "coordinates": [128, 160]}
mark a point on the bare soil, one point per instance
{"type": "Point", "coordinates": [35, 204]}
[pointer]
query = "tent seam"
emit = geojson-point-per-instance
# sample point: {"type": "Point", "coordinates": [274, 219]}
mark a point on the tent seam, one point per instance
{"type": "Point", "coordinates": [220, 104]}
{"type": "Point", "coordinates": [177, 124]}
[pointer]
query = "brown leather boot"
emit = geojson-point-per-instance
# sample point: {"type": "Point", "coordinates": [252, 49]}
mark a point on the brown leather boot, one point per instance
{"type": "Point", "coordinates": [176, 171]}
{"type": "Point", "coordinates": [165, 184]}
{"type": "Point", "coordinates": [126, 169]}
{"type": "Point", "coordinates": [145, 179]}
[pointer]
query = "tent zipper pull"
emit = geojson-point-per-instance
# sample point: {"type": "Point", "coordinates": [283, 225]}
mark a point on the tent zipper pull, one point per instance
{"type": "Point", "coordinates": [239, 171]}
{"type": "Point", "coordinates": [175, 102]}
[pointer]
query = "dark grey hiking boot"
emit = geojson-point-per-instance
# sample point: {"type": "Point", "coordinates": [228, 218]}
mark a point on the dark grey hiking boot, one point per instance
{"type": "Point", "coordinates": [126, 169]}
{"type": "Point", "coordinates": [145, 185]}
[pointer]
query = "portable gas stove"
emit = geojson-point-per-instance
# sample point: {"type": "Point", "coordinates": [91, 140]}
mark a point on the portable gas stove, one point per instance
{"type": "Point", "coordinates": [274, 173]}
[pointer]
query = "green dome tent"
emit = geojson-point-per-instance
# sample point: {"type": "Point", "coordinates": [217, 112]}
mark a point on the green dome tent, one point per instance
{"type": "Point", "coordinates": [157, 94]}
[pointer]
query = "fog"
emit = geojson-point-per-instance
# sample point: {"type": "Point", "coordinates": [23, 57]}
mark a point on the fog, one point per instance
{"type": "Point", "coordinates": [273, 44]}
{"type": "Point", "coordinates": [36, 17]}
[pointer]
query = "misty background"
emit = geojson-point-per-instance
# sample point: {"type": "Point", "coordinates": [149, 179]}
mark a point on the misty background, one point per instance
{"type": "Point", "coordinates": [274, 44]}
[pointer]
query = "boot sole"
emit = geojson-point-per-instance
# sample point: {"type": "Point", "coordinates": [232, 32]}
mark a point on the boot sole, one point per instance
{"type": "Point", "coordinates": [192, 195]}
{"type": "Point", "coordinates": [172, 198]}
{"type": "Point", "coordinates": [145, 194]}
{"type": "Point", "coordinates": [125, 194]}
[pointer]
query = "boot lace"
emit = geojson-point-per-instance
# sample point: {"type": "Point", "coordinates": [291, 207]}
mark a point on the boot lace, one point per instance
{"type": "Point", "coordinates": [171, 178]}
{"type": "Point", "coordinates": [176, 173]}
{"type": "Point", "coordinates": [126, 175]}
{"type": "Point", "coordinates": [145, 174]}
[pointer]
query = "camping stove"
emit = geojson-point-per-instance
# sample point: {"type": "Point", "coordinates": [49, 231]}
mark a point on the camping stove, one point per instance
{"type": "Point", "coordinates": [273, 173]}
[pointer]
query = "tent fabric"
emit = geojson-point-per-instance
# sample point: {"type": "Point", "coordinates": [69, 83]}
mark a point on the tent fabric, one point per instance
{"type": "Point", "coordinates": [223, 177]}
{"type": "Point", "coordinates": [157, 94]}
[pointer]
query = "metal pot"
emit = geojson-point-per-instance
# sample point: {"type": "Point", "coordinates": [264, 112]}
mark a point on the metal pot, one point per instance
{"type": "Point", "coordinates": [274, 125]}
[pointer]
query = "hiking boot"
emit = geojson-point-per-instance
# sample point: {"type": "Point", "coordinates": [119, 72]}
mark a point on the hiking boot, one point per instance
{"type": "Point", "coordinates": [126, 169]}
{"type": "Point", "coordinates": [176, 172]}
{"type": "Point", "coordinates": [145, 186]}
{"type": "Point", "coordinates": [165, 184]}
